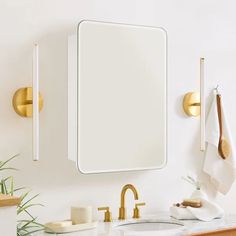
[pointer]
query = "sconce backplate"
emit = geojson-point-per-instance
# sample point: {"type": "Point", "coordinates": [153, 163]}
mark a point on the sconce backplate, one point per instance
{"type": "Point", "coordinates": [191, 104]}
{"type": "Point", "coordinates": [23, 102]}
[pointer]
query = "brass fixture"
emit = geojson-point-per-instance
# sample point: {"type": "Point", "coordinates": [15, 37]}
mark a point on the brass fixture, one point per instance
{"type": "Point", "coordinates": [194, 104]}
{"type": "Point", "coordinates": [122, 210]}
{"type": "Point", "coordinates": [192, 101]}
{"type": "Point", "coordinates": [136, 214]}
{"type": "Point", "coordinates": [23, 102]}
{"type": "Point", "coordinates": [107, 215]}
{"type": "Point", "coordinates": [191, 104]}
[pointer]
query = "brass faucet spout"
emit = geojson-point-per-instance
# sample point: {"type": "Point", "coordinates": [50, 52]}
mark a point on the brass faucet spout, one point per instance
{"type": "Point", "coordinates": [122, 210]}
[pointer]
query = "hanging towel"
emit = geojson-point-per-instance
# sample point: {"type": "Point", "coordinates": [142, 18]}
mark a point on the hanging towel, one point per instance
{"type": "Point", "coordinates": [222, 172]}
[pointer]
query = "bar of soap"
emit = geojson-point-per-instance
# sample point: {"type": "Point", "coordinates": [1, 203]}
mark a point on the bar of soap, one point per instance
{"type": "Point", "coordinates": [59, 223]}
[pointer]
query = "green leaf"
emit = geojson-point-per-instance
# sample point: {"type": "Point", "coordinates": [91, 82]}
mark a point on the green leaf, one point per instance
{"type": "Point", "coordinates": [30, 200]}
{"type": "Point", "coordinates": [27, 227]}
{"type": "Point", "coordinates": [23, 196]}
{"type": "Point", "coordinates": [21, 209]}
{"type": "Point", "coordinates": [27, 222]}
{"type": "Point", "coordinates": [27, 212]}
{"type": "Point", "coordinates": [12, 186]}
{"type": "Point", "coordinates": [31, 232]}
{"type": "Point", "coordinates": [8, 168]}
{"type": "Point", "coordinates": [18, 189]}
{"type": "Point", "coordinates": [6, 178]}
{"type": "Point", "coordinates": [3, 163]}
{"type": "Point", "coordinates": [4, 187]}
{"type": "Point", "coordinates": [33, 221]}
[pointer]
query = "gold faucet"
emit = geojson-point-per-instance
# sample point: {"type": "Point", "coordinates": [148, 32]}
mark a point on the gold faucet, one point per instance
{"type": "Point", "coordinates": [122, 210]}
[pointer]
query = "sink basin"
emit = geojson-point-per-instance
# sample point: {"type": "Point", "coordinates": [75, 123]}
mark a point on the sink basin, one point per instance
{"type": "Point", "coordinates": [150, 228]}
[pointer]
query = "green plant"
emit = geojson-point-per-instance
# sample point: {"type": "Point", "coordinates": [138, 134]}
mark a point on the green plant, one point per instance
{"type": "Point", "coordinates": [29, 225]}
{"type": "Point", "coordinates": [193, 181]}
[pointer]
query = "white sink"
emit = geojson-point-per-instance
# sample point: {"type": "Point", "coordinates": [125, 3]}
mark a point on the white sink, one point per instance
{"type": "Point", "coordinates": [150, 228]}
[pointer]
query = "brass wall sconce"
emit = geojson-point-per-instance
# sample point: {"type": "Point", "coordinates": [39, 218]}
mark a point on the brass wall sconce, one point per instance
{"type": "Point", "coordinates": [194, 104]}
{"type": "Point", "coordinates": [23, 102]}
{"type": "Point", "coordinates": [28, 102]}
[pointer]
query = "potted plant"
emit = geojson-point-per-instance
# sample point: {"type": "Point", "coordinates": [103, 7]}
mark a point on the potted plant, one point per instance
{"type": "Point", "coordinates": [197, 193]}
{"type": "Point", "coordinates": [29, 224]}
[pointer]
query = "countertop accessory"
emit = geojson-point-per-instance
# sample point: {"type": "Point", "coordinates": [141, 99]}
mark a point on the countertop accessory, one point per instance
{"type": "Point", "coordinates": [122, 210]}
{"type": "Point", "coordinates": [81, 214]}
{"type": "Point", "coordinates": [198, 194]}
{"type": "Point", "coordinates": [56, 228]}
{"type": "Point", "coordinates": [196, 203]}
{"type": "Point", "coordinates": [207, 212]}
{"type": "Point", "coordinates": [223, 146]}
{"type": "Point", "coordinates": [194, 103]}
{"type": "Point", "coordinates": [28, 102]}
{"type": "Point", "coordinates": [64, 223]}
{"type": "Point", "coordinates": [221, 171]}
{"type": "Point", "coordinates": [8, 214]}
{"type": "Point", "coordinates": [107, 215]}
{"type": "Point", "coordinates": [136, 214]}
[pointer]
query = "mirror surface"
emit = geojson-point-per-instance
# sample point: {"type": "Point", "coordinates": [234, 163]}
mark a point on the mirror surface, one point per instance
{"type": "Point", "coordinates": [121, 97]}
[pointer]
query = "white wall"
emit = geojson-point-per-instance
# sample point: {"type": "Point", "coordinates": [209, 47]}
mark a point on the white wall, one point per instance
{"type": "Point", "coordinates": [195, 28]}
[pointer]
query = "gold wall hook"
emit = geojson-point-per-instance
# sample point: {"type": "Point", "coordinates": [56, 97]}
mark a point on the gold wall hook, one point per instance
{"type": "Point", "coordinates": [192, 104]}
{"type": "Point", "coordinates": [23, 102]}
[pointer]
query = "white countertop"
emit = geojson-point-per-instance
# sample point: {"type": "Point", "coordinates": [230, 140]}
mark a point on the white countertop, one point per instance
{"type": "Point", "coordinates": [190, 226]}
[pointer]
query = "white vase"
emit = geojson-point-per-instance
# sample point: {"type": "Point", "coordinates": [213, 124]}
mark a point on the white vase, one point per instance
{"type": "Point", "coordinates": [8, 220]}
{"type": "Point", "coordinates": [198, 194]}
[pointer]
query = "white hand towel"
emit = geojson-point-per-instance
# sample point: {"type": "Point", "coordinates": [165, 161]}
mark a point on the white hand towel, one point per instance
{"type": "Point", "coordinates": [207, 212]}
{"type": "Point", "coordinates": [180, 213]}
{"type": "Point", "coordinates": [222, 172]}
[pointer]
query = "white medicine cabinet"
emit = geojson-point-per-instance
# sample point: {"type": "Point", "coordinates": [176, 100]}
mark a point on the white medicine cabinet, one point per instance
{"type": "Point", "coordinates": [117, 97]}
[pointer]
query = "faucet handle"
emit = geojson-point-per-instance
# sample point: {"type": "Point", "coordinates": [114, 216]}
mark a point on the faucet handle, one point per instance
{"type": "Point", "coordinates": [136, 214]}
{"type": "Point", "coordinates": [107, 216]}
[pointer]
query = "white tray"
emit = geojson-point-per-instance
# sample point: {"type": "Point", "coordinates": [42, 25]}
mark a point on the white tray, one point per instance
{"type": "Point", "coordinates": [49, 228]}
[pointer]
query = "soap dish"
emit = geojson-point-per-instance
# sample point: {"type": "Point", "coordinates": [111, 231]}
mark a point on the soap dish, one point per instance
{"type": "Point", "coordinates": [65, 227]}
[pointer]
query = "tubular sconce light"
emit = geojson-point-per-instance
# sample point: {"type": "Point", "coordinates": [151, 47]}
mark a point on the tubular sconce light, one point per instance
{"type": "Point", "coordinates": [194, 103]}
{"type": "Point", "coordinates": [28, 102]}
